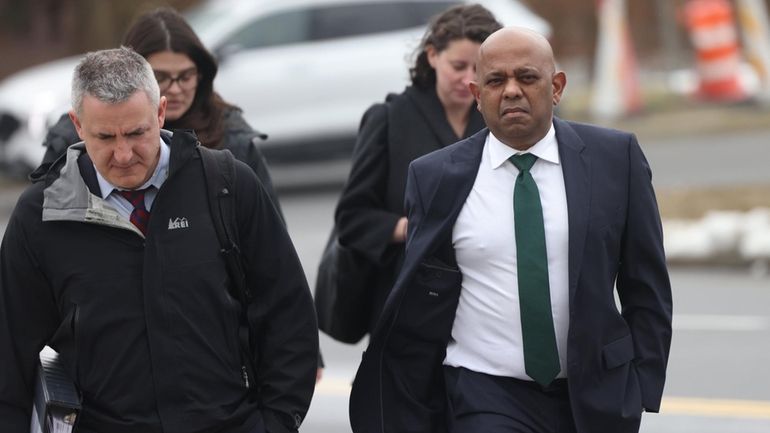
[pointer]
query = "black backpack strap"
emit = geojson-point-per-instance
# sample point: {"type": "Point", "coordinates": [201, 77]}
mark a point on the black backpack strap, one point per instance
{"type": "Point", "coordinates": [219, 173]}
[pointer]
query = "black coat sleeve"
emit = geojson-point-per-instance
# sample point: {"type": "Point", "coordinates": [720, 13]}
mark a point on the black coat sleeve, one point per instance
{"type": "Point", "coordinates": [363, 221]}
{"type": "Point", "coordinates": [253, 157]}
{"type": "Point", "coordinates": [243, 141]}
{"type": "Point", "coordinates": [282, 313]}
{"type": "Point", "coordinates": [28, 317]}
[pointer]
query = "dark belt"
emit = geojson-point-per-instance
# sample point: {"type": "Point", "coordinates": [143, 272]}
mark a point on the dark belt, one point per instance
{"type": "Point", "coordinates": [557, 388]}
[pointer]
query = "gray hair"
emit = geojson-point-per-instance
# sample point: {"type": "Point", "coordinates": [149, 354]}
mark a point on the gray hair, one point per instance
{"type": "Point", "coordinates": [113, 76]}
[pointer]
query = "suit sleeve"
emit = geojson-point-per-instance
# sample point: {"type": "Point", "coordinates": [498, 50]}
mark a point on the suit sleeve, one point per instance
{"type": "Point", "coordinates": [643, 283]}
{"type": "Point", "coordinates": [363, 222]}
{"type": "Point", "coordinates": [282, 314]}
{"type": "Point", "coordinates": [28, 316]}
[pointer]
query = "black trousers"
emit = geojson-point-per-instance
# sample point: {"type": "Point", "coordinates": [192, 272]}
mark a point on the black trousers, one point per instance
{"type": "Point", "coordinates": [482, 403]}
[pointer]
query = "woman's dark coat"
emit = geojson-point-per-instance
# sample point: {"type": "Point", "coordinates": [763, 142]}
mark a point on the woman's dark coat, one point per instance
{"type": "Point", "coordinates": [391, 135]}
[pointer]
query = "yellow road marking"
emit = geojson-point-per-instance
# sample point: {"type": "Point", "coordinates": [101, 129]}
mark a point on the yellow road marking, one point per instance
{"type": "Point", "coordinates": [722, 408]}
{"type": "Point", "coordinates": [701, 407]}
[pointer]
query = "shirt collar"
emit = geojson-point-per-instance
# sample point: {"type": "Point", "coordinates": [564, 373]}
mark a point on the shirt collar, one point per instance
{"type": "Point", "coordinates": [156, 180]}
{"type": "Point", "coordinates": [546, 149]}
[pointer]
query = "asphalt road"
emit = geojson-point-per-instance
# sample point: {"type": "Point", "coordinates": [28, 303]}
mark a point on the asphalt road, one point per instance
{"type": "Point", "coordinates": [739, 158]}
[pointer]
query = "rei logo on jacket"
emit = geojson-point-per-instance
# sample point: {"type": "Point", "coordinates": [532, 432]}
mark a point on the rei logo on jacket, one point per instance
{"type": "Point", "coordinates": [178, 223]}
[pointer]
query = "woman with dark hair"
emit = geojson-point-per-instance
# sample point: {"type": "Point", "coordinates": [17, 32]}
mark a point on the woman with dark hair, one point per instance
{"type": "Point", "coordinates": [185, 71]}
{"type": "Point", "coordinates": [438, 109]}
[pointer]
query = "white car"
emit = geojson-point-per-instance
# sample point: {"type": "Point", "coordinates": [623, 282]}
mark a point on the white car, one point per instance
{"type": "Point", "coordinates": [303, 71]}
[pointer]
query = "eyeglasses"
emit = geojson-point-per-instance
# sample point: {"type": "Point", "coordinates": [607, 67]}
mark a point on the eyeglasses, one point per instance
{"type": "Point", "coordinates": [187, 80]}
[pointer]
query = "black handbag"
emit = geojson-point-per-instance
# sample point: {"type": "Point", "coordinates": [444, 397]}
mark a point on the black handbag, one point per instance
{"type": "Point", "coordinates": [343, 293]}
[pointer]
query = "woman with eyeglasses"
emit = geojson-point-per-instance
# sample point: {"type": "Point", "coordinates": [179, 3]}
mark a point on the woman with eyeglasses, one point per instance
{"type": "Point", "coordinates": [185, 71]}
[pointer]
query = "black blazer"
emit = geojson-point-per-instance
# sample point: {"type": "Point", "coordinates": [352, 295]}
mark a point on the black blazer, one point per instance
{"type": "Point", "coordinates": [391, 135]}
{"type": "Point", "coordinates": [616, 359]}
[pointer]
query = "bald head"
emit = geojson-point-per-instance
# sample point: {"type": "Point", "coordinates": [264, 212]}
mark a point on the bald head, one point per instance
{"type": "Point", "coordinates": [513, 38]}
{"type": "Point", "coordinates": [517, 86]}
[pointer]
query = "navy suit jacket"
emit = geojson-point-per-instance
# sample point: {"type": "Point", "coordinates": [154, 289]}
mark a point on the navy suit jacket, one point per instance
{"type": "Point", "coordinates": [616, 358]}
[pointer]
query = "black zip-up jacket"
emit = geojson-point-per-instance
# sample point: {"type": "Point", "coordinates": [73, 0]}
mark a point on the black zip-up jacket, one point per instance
{"type": "Point", "coordinates": [146, 325]}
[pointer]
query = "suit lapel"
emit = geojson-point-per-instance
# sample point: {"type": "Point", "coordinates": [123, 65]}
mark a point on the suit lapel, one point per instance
{"type": "Point", "coordinates": [447, 194]}
{"type": "Point", "coordinates": [576, 167]}
{"type": "Point", "coordinates": [457, 175]}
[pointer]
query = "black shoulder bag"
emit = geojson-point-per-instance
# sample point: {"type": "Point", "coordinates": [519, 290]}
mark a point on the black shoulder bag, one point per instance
{"type": "Point", "coordinates": [343, 293]}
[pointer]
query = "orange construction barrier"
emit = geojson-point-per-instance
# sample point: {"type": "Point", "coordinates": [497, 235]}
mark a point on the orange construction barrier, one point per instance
{"type": "Point", "coordinates": [711, 25]}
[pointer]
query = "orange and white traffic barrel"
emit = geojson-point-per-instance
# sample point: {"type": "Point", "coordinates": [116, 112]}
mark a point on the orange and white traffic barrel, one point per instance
{"type": "Point", "coordinates": [711, 25]}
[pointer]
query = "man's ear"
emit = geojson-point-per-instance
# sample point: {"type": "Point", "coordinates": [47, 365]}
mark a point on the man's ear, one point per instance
{"type": "Point", "coordinates": [559, 82]}
{"type": "Point", "coordinates": [474, 86]}
{"type": "Point", "coordinates": [76, 122]}
{"type": "Point", "coordinates": [162, 111]}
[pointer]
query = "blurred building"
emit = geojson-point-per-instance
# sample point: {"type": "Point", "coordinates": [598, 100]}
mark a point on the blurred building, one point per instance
{"type": "Point", "coordinates": [657, 32]}
{"type": "Point", "coordinates": [34, 31]}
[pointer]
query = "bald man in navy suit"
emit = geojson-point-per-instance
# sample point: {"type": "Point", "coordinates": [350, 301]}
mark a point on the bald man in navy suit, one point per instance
{"type": "Point", "coordinates": [454, 350]}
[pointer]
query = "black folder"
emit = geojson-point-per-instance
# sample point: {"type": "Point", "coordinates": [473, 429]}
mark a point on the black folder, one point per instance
{"type": "Point", "coordinates": [56, 403]}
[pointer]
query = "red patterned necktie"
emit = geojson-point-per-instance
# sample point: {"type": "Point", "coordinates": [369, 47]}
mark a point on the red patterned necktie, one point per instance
{"type": "Point", "coordinates": [140, 215]}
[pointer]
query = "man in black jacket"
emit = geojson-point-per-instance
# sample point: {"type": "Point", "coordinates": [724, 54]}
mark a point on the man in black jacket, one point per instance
{"type": "Point", "coordinates": [112, 259]}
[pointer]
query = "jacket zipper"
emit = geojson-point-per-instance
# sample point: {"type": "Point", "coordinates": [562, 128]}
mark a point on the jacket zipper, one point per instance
{"type": "Point", "coordinates": [76, 341]}
{"type": "Point", "coordinates": [245, 376]}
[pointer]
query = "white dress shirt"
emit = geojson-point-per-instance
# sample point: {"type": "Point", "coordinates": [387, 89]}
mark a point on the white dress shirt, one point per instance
{"type": "Point", "coordinates": [120, 203]}
{"type": "Point", "coordinates": [486, 335]}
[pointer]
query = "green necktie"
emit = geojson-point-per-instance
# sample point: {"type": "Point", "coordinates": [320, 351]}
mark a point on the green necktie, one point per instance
{"type": "Point", "coordinates": [541, 357]}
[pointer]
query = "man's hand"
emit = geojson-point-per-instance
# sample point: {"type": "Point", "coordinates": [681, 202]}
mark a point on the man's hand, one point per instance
{"type": "Point", "coordinates": [399, 232]}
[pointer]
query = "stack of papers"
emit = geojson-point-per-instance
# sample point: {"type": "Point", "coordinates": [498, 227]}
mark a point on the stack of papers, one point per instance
{"type": "Point", "coordinates": [56, 403]}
